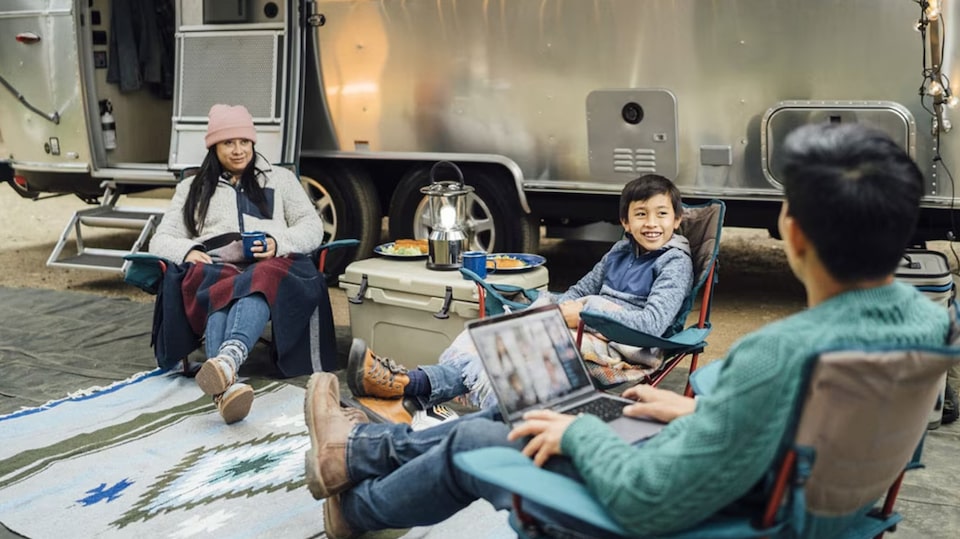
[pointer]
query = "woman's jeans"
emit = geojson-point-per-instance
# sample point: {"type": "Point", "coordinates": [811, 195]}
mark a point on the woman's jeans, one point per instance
{"type": "Point", "coordinates": [243, 321]}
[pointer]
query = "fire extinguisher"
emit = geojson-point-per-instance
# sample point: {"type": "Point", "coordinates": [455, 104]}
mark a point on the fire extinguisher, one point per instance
{"type": "Point", "coordinates": [108, 125]}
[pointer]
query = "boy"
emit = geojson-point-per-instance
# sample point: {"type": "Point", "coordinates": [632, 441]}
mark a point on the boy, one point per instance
{"type": "Point", "coordinates": [852, 202]}
{"type": "Point", "coordinates": [642, 281]}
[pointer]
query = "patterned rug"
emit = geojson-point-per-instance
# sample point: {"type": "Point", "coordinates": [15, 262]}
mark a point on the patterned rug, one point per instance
{"type": "Point", "coordinates": [150, 457]}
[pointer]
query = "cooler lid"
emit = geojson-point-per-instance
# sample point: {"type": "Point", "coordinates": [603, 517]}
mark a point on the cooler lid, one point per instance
{"type": "Point", "coordinates": [923, 265]}
{"type": "Point", "coordinates": [412, 276]}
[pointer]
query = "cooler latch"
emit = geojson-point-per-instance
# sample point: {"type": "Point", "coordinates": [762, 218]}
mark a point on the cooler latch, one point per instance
{"type": "Point", "coordinates": [358, 299]}
{"type": "Point", "coordinates": [444, 312]}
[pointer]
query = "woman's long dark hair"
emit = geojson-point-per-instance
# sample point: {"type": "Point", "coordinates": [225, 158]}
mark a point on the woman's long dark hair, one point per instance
{"type": "Point", "coordinates": [205, 183]}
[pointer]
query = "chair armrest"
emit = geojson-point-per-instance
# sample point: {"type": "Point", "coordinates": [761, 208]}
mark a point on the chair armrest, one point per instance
{"type": "Point", "coordinates": [145, 271]}
{"type": "Point", "coordinates": [508, 469]}
{"type": "Point", "coordinates": [320, 255]}
{"type": "Point", "coordinates": [692, 337]}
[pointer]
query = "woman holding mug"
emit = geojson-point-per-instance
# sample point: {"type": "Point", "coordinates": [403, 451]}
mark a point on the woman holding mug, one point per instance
{"type": "Point", "coordinates": [229, 294]}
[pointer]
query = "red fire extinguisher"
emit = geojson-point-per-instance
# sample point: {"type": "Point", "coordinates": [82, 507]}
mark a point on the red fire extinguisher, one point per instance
{"type": "Point", "coordinates": [108, 125]}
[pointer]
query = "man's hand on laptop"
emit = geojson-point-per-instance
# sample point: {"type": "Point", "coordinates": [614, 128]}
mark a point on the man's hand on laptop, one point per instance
{"type": "Point", "coordinates": [546, 428]}
{"type": "Point", "coordinates": [658, 404]}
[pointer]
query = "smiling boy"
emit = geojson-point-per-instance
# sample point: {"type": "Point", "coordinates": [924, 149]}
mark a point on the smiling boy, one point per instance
{"type": "Point", "coordinates": [640, 282]}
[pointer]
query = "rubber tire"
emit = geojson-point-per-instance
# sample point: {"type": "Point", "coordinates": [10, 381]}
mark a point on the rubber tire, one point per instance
{"type": "Point", "coordinates": [504, 229]}
{"type": "Point", "coordinates": [349, 207]}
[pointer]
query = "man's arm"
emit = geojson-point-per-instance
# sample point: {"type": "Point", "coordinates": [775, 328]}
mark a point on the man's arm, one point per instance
{"type": "Point", "coordinates": [701, 462]}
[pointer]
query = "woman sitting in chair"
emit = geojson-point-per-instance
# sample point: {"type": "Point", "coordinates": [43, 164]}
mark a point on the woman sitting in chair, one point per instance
{"type": "Point", "coordinates": [229, 292]}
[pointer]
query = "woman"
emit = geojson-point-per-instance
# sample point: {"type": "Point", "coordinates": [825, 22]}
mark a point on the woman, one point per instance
{"type": "Point", "coordinates": [225, 292]}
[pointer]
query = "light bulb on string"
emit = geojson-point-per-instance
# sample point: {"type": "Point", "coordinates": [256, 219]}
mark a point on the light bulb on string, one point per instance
{"type": "Point", "coordinates": [933, 10]}
{"type": "Point", "coordinates": [935, 88]}
{"type": "Point", "coordinates": [952, 101]}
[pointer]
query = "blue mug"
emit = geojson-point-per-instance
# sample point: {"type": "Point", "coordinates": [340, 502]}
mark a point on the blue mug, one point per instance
{"type": "Point", "coordinates": [476, 261]}
{"type": "Point", "coordinates": [248, 242]}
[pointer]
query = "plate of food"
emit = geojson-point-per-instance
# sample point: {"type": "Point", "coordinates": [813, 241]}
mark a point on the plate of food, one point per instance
{"type": "Point", "coordinates": [408, 249]}
{"type": "Point", "coordinates": [513, 261]}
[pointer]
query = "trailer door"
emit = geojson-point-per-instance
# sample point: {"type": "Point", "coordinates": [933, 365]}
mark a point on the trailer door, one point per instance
{"type": "Point", "coordinates": [41, 109]}
{"type": "Point", "coordinates": [237, 53]}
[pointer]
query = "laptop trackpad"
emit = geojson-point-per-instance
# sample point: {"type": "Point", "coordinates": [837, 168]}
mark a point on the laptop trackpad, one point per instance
{"type": "Point", "coordinates": [634, 430]}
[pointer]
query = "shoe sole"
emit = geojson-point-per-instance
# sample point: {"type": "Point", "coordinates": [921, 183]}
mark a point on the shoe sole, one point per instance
{"type": "Point", "coordinates": [237, 406]}
{"type": "Point", "coordinates": [315, 483]}
{"type": "Point", "coordinates": [355, 358]}
{"type": "Point", "coordinates": [211, 379]}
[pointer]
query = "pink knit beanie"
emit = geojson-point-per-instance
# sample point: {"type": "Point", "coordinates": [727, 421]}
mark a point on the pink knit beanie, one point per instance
{"type": "Point", "coordinates": [226, 122]}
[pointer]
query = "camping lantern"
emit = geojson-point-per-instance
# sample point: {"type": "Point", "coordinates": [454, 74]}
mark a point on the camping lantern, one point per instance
{"type": "Point", "coordinates": [447, 205]}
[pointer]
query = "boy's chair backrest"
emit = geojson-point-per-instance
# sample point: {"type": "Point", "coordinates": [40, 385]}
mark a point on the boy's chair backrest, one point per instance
{"type": "Point", "coordinates": [702, 226]}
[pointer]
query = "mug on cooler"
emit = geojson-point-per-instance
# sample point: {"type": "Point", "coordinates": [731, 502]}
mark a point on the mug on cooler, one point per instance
{"type": "Point", "coordinates": [248, 242]}
{"type": "Point", "coordinates": [476, 261]}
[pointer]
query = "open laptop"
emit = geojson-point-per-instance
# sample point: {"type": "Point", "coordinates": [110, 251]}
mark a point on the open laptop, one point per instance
{"type": "Point", "coordinates": [533, 362]}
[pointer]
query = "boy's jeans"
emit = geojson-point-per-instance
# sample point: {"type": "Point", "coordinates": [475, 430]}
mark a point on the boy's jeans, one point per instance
{"type": "Point", "coordinates": [243, 320]}
{"type": "Point", "coordinates": [405, 478]}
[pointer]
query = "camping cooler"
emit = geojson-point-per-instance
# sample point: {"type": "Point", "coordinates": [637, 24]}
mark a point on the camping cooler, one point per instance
{"type": "Point", "coordinates": [409, 313]}
{"type": "Point", "coordinates": [929, 272]}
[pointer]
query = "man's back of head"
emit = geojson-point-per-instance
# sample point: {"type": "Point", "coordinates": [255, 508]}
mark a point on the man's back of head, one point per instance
{"type": "Point", "coordinates": [855, 194]}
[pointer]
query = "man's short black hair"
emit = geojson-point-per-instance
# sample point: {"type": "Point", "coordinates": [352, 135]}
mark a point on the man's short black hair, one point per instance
{"type": "Point", "coordinates": [856, 195]}
{"type": "Point", "coordinates": [645, 187]}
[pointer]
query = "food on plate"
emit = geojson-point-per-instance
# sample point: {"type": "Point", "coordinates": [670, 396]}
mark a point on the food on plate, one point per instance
{"type": "Point", "coordinates": [504, 262]}
{"type": "Point", "coordinates": [406, 248]}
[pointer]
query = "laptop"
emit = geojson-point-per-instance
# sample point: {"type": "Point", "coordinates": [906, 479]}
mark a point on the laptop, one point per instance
{"type": "Point", "coordinates": [533, 362]}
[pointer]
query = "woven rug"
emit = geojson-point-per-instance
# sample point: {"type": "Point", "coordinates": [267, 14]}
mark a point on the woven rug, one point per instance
{"type": "Point", "coordinates": [150, 457]}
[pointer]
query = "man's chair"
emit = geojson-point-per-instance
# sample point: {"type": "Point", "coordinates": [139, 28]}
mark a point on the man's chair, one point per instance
{"type": "Point", "coordinates": [854, 432]}
{"type": "Point", "coordinates": [702, 225]}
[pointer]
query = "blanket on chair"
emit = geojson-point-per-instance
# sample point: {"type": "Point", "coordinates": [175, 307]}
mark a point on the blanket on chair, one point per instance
{"type": "Point", "coordinates": [303, 329]}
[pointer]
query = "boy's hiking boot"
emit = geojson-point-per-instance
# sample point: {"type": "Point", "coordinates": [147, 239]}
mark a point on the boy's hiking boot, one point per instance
{"type": "Point", "coordinates": [234, 403]}
{"type": "Point", "coordinates": [329, 427]}
{"type": "Point", "coordinates": [369, 375]}
{"type": "Point", "coordinates": [334, 525]}
{"type": "Point", "coordinates": [216, 375]}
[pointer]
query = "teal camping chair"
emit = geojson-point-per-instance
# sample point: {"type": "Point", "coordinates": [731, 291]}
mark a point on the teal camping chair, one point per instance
{"type": "Point", "coordinates": [702, 225]}
{"type": "Point", "coordinates": [862, 417]}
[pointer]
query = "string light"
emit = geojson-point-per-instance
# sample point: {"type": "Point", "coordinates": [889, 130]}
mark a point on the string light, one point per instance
{"type": "Point", "coordinates": [935, 88]}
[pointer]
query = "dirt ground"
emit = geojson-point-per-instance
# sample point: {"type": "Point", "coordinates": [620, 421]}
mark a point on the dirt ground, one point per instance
{"type": "Point", "coordinates": [755, 285]}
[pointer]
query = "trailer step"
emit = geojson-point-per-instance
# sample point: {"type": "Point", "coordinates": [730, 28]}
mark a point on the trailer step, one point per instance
{"type": "Point", "coordinates": [105, 216]}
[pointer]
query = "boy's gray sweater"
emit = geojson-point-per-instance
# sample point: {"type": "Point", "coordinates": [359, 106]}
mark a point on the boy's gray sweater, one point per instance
{"type": "Point", "coordinates": [294, 222]}
{"type": "Point", "coordinates": [650, 286]}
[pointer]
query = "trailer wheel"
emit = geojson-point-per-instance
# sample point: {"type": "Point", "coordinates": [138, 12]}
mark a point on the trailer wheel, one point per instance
{"type": "Point", "coordinates": [495, 220]}
{"type": "Point", "coordinates": [349, 208]}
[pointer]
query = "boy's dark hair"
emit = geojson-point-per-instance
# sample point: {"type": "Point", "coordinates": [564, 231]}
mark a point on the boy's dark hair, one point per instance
{"type": "Point", "coordinates": [855, 193]}
{"type": "Point", "coordinates": [645, 187]}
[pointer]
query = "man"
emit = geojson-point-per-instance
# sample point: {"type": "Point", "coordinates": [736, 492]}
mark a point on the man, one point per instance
{"type": "Point", "coordinates": [852, 202]}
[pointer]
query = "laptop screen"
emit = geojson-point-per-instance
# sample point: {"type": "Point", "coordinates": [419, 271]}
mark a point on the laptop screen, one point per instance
{"type": "Point", "coordinates": [530, 357]}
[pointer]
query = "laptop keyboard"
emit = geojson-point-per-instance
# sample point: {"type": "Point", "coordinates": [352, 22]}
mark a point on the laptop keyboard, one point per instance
{"type": "Point", "coordinates": [605, 409]}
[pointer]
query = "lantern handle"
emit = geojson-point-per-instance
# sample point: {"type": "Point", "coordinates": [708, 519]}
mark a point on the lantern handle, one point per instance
{"type": "Point", "coordinates": [433, 171]}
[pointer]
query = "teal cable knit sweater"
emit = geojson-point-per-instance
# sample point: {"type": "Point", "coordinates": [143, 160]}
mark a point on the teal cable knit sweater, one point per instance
{"type": "Point", "coordinates": [703, 462]}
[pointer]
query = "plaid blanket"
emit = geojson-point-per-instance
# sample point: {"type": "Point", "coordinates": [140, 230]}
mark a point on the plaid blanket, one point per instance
{"type": "Point", "coordinates": [303, 329]}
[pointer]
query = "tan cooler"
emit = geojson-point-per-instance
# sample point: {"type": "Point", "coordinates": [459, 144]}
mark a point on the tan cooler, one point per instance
{"type": "Point", "coordinates": [410, 313]}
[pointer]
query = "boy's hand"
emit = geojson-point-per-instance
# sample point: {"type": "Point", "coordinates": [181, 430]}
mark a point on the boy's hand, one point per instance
{"type": "Point", "coordinates": [571, 312]}
{"type": "Point", "coordinates": [547, 428]}
{"type": "Point", "coordinates": [658, 404]}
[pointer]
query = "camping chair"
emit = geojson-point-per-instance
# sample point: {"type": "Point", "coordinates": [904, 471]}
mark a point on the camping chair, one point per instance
{"type": "Point", "coordinates": [861, 420]}
{"type": "Point", "coordinates": [146, 271]}
{"type": "Point", "coordinates": [702, 226]}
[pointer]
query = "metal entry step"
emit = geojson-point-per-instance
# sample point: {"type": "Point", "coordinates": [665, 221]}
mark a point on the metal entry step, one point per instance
{"type": "Point", "coordinates": [105, 216]}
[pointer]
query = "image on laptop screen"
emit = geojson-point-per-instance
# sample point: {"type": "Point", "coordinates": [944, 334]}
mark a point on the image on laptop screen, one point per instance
{"type": "Point", "coordinates": [530, 359]}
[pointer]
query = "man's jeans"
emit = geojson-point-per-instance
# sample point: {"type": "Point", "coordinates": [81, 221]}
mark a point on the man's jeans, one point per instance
{"type": "Point", "coordinates": [243, 320]}
{"type": "Point", "coordinates": [405, 478]}
{"type": "Point", "coordinates": [446, 383]}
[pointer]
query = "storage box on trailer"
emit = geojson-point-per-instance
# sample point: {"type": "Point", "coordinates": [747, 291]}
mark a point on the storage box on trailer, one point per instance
{"type": "Point", "coordinates": [409, 313]}
{"type": "Point", "coordinates": [929, 272]}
